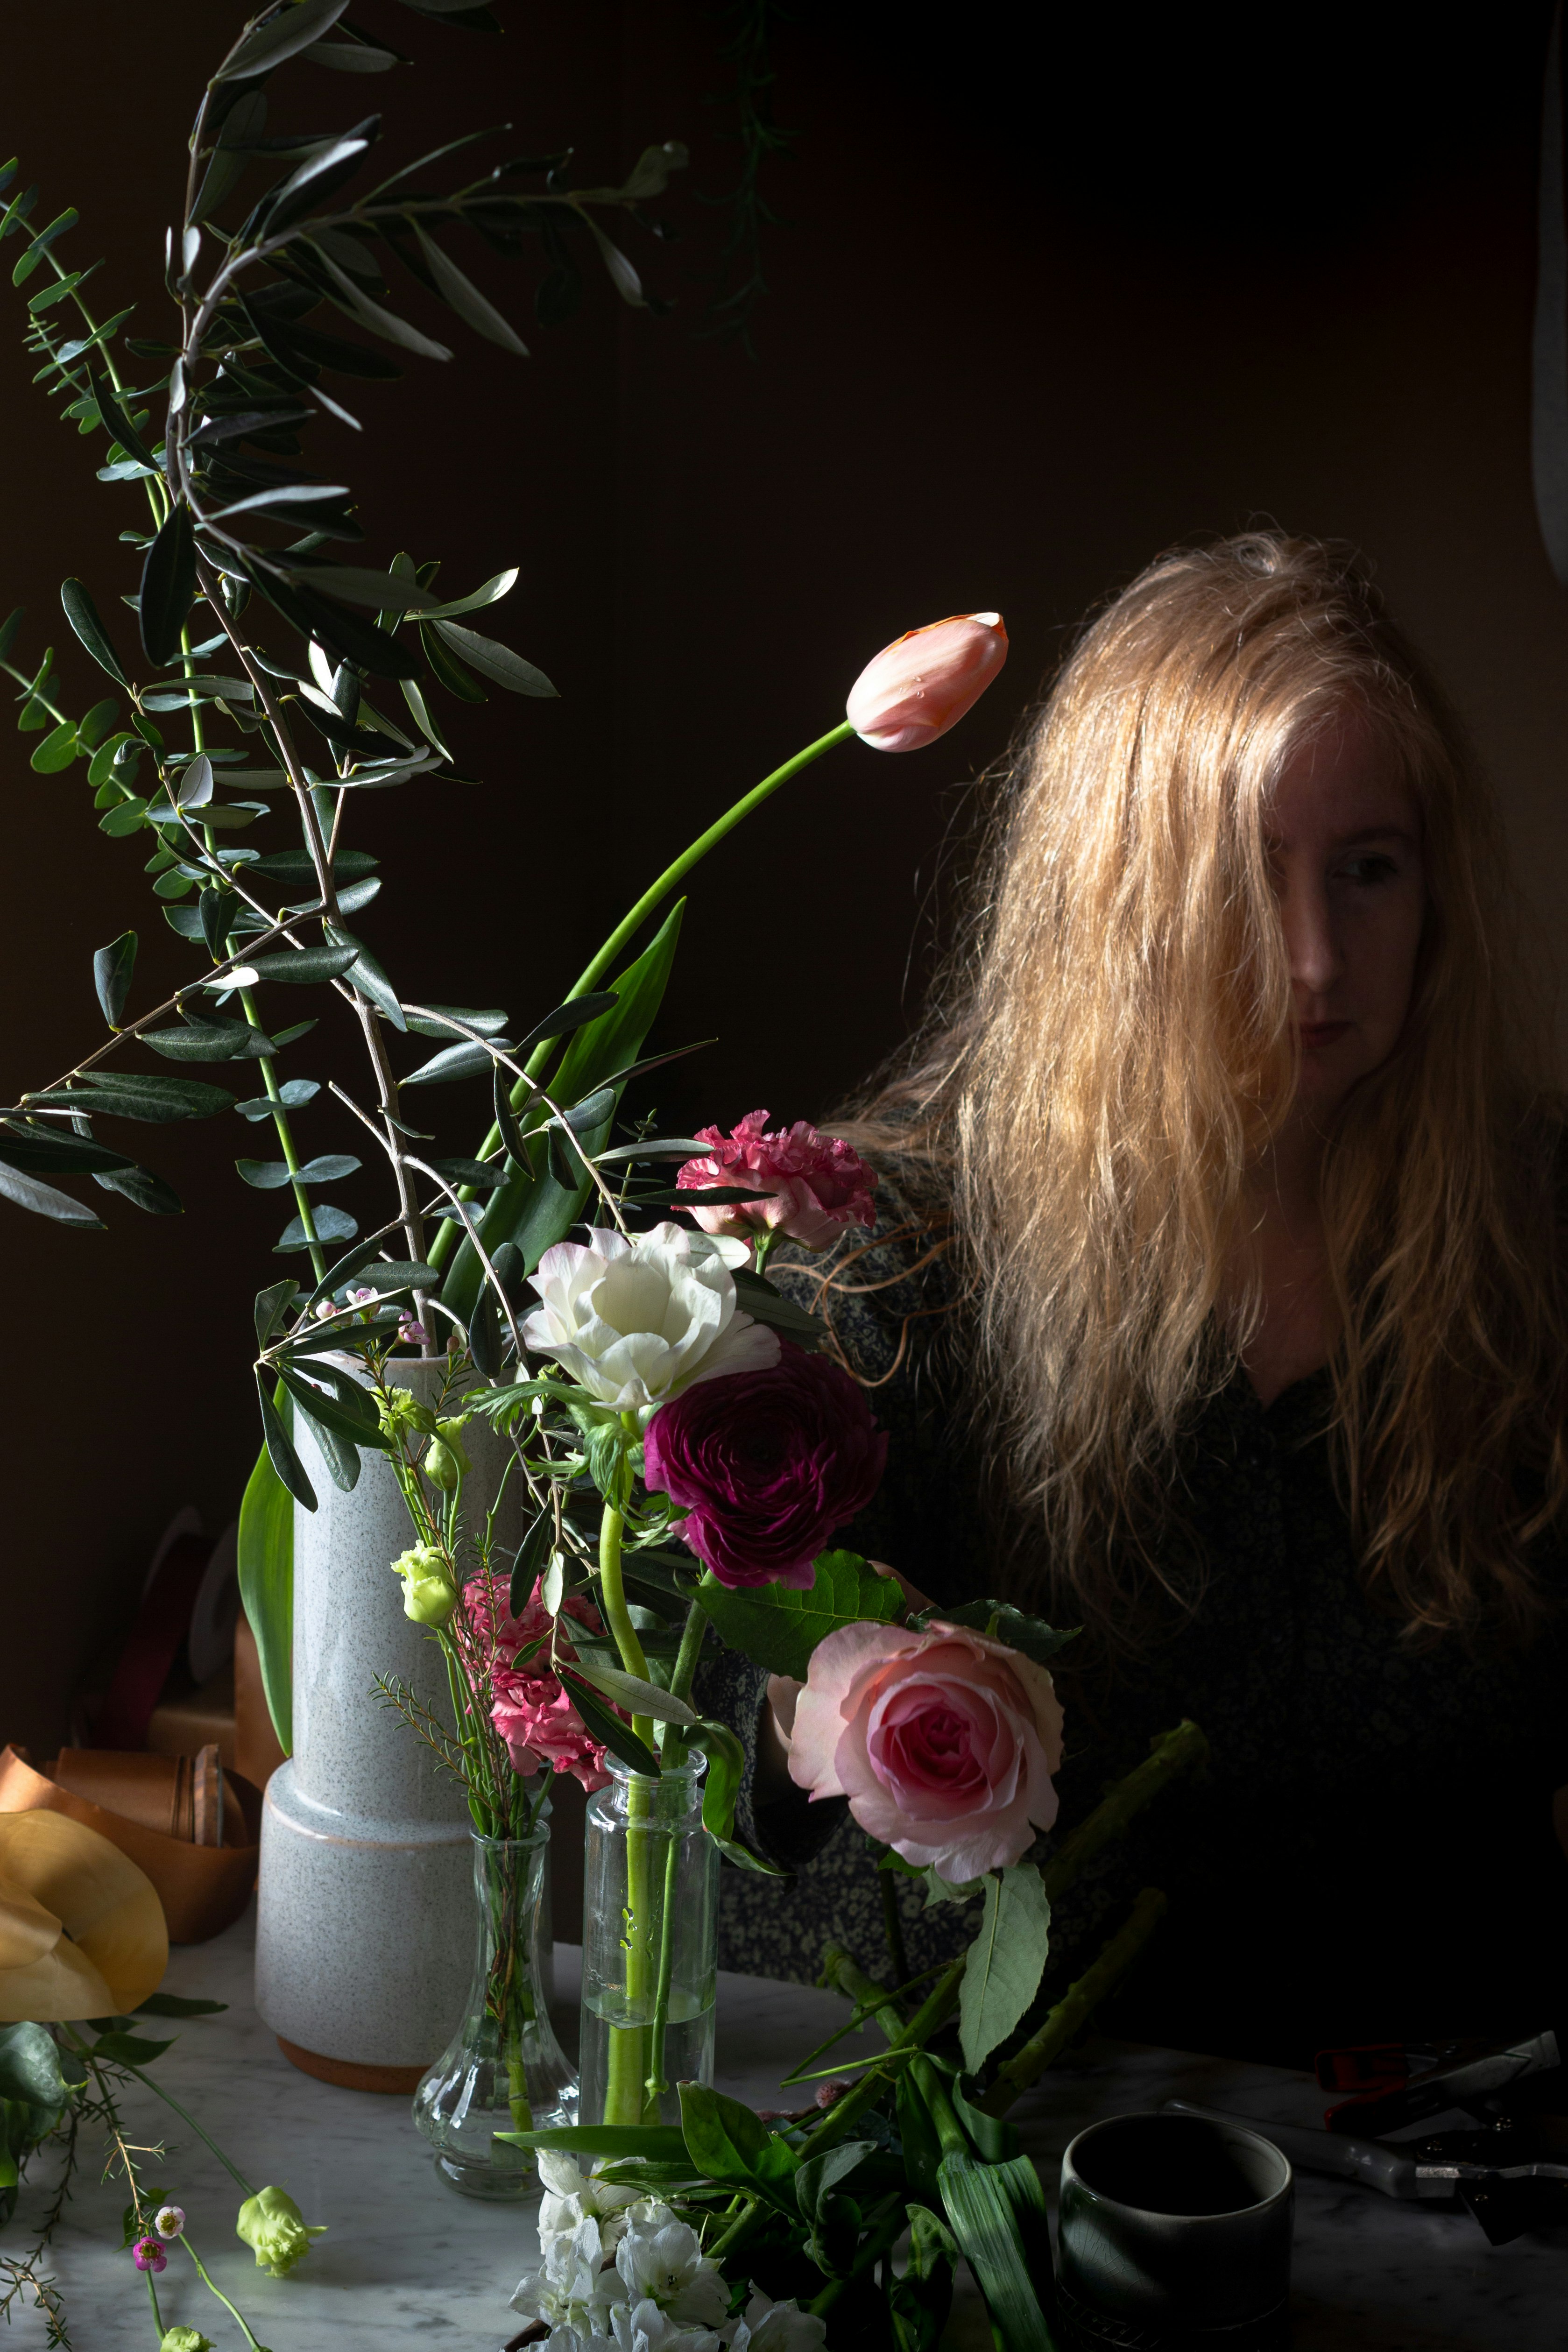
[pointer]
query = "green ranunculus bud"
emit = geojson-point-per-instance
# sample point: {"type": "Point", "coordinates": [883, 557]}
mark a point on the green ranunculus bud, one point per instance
{"type": "Point", "coordinates": [447, 1462]}
{"type": "Point", "coordinates": [185, 2340]}
{"type": "Point", "coordinates": [402, 1410]}
{"type": "Point", "coordinates": [430, 1595]}
{"type": "Point", "coordinates": [273, 2226]}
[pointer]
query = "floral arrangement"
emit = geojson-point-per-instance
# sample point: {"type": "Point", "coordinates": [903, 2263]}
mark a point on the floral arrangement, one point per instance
{"type": "Point", "coordinates": [686, 1451]}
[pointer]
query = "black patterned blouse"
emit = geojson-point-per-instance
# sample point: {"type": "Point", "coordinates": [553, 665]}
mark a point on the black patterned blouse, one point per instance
{"type": "Point", "coordinates": [1370, 1854]}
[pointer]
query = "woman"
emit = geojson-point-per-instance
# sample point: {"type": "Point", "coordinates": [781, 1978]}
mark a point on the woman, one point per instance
{"type": "Point", "coordinates": [1218, 1306]}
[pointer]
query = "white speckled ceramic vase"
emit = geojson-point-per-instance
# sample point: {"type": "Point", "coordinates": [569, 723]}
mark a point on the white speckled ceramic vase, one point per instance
{"type": "Point", "coordinates": [364, 1938]}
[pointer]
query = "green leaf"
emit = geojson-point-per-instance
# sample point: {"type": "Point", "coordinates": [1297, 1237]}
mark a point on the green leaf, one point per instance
{"type": "Point", "coordinates": [607, 1729]}
{"type": "Point", "coordinates": [303, 965]}
{"type": "Point", "coordinates": [331, 1226]}
{"type": "Point", "coordinates": [998, 2213]}
{"type": "Point", "coordinates": [30, 2075]}
{"type": "Point", "coordinates": [766, 1305]}
{"type": "Point", "coordinates": [386, 1276]}
{"type": "Point", "coordinates": [208, 1041]}
{"type": "Point", "coordinates": [157, 1100]}
{"type": "Point", "coordinates": [575, 1014]}
{"type": "Point", "coordinates": [727, 2142]}
{"type": "Point", "coordinates": [778, 1628]}
{"type": "Point", "coordinates": [82, 614]}
{"type": "Point", "coordinates": [1030, 1635]}
{"type": "Point", "coordinates": [266, 1582]}
{"type": "Point", "coordinates": [464, 298]}
{"type": "Point", "coordinates": [332, 1416]}
{"type": "Point", "coordinates": [530, 1210]}
{"type": "Point", "coordinates": [9, 631]}
{"type": "Point", "coordinates": [358, 304]}
{"type": "Point", "coordinates": [112, 974]}
{"type": "Point", "coordinates": [24, 1193]}
{"type": "Point", "coordinates": [449, 672]}
{"type": "Point", "coordinates": [96, 723]}
{"type": "Point", "coordinates": [57, 750]}
{"type": "Point", "coordinates": [721, 1785]}
{"type": "Point", "coordinates": [489, 1023]}
{"type": "Point", "coordinates": [174, 2004]}
{"type": "Point", "coordinates": [499, 585]}
{"type": "Point", "coordinates": [119, 425]}
{"type": "Point", "coordinates": [638, 1697]}
{"type": "Point", "coordinates": [530, 1560]}
{"type": "Point", "coordinates": [128, 818]}
{"type": "Point", "coordinates": [272, 1175]}
{"type": "Point", "coordinates": [1006, 1962]}
{"type": "Point", "coordinates": [293, 1093]}
{"type": "Point", "coordinates": [359, 586]}
{"type": "Point", "coordinates": [168, 585]}
{"type": "Point", "coordinates": [146, 1190]}
{"type": "Point", "coordinates": [271, 1306]}
{"type": "Point", "coordinates": [366, 974]}
{"type": "Point", "coordinates": [498, 663]}
{"type": "Point", "coordinates": [284, 36]}
{"type": "Point", "coordinates": [462, 1061]}
{"type": "Point", "coordinates": [284, 1460]}
{"type": "Point", "coordinates": [819, 2175]}
{"type": "Point", "coordinates": [196, 784]}
{"type": "Point", "coordinates": [128, 2049]}
{"type": "Point", "coordinates": [49, 1151]}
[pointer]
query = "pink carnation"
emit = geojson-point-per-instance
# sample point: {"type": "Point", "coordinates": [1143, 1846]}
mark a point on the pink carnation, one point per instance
{"type": "Point", "coordinates": [529, 1707]}
{"type": "Point", "coordinates": [943, 1741]}
{"type": "Point", "coordinates": [809, 1185]}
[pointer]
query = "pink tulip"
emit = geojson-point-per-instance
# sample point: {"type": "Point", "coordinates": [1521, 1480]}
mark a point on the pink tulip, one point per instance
{"type": "Point", "coordinates": [920, 685]}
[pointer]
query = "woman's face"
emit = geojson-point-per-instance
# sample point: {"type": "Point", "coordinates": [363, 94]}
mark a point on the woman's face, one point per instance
{"type": "Point", "coordinates": [1343, 836]}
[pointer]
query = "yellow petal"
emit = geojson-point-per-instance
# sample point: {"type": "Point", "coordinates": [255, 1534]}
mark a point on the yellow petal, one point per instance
{"type": "Point", "coordinates": [107, 1906]}
{"type": "Point", "coordinates": [26, 1930]}
{"type": "Point", "coordinates": [63, 1985]}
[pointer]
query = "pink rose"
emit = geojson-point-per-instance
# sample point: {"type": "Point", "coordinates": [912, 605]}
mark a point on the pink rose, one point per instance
{"type": "Point", "coordinates": [944, 1742]}
{"type": "Point", "coordinates": [920, 685]}
{"type": "Point", "coordinates": [810, 1185]}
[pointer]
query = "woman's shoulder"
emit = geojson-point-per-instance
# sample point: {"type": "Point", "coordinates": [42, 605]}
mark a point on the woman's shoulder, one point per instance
{"type": "Point", "coordinates": [892, 1295]}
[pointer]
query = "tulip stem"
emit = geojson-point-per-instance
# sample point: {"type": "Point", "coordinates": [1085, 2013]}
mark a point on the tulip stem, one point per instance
{"type": "Point", "coordinates": [627, 929]}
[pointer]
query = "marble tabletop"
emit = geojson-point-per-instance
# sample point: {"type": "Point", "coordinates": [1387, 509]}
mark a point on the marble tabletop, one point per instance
{"type": "Point", "coordinates": [405, 2257]}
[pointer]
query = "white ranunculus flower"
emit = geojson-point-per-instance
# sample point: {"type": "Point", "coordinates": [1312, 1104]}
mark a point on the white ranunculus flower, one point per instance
{"type": "Point", "coordinates": [661, 2261]}
{"type": "Point", "coordinates": [571, 2197]}
{"type": "Point", "coordinates": [635, 1322]}
{"type": "Point", "coordinates": [644, 2328]}
{"type": "Point", "coordinates": [568, 2286]}
{"type": "Point", "coordinates": [777, 2327]}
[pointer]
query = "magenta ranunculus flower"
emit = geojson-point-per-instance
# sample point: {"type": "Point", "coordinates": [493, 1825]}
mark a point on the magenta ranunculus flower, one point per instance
{"type": "Point", "coordinates": [766, 1465]}
{"type": "Point", "coordinates": [809, 1186]}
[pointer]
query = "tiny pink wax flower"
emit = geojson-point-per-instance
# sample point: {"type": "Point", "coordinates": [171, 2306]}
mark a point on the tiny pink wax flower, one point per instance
{"type": "Point", "coordinates": [149, 2255]}
{"type": "Point", "coordinates": [943, 1741]}
{"type": "Point", "coordinates": [920, 685]}
{"type": "Point", "coordinates": [808, 1186]}
{"type": "Point", "coordinates": [169, 2220]}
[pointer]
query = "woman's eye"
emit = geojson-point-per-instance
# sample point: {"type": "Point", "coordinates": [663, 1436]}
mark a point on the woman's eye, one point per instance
{"type": "Point", "coordinates": [1370, 870]}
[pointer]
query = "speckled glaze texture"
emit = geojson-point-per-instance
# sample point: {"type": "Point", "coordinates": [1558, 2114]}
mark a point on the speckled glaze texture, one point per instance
{"type": "Point", "coordinates": [365, 1933]}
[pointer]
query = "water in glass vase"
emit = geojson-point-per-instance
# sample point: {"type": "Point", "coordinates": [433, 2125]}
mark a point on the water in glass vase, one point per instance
{"type": "Point", "coordinates": [613, 2035]}
{"type": "Point", "coordinates": [504, 2070]}
{"type": "Point", "coordinates": [650, 1931]}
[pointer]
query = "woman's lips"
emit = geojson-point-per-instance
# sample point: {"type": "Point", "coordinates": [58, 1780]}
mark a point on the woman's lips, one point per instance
{"type": "Point", "coordinates": [1315, 1034]}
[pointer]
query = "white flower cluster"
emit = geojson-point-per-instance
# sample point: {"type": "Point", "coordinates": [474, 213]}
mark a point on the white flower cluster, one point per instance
{"type": "Point", "coordinates": [620, 2273]}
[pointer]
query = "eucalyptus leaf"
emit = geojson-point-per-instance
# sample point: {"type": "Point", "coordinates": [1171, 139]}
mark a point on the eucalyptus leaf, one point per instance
{"type": "Point", "coordinates": [57, 750]}
{"type": "Point", "coordinates": [331, 1226]}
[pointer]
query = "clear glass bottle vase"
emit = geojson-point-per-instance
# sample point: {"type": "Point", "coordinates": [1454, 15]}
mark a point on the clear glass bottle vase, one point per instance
{"type": "Point", "coordinates": [503, 2069]}
{"type": "Point", "coordinates": [650, 1944]}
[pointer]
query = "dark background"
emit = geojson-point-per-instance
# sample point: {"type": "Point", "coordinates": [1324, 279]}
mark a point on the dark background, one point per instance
{"type": "Point", "coordinates": [1050, 293]}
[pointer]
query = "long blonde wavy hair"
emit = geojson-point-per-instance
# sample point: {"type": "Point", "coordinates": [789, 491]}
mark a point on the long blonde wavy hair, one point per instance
{"type": "Point", "coordinates": [1111, 1051]}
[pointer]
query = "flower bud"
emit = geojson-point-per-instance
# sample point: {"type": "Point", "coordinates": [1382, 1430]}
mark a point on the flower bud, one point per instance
{"type": "Point", "coordinates": [403, 1410]}
{"type": "Point", "coordinates": [184, 2339]}
{"type": "Point", "coordinates": [272, 2225]}
{"type": "Point", "coordinates": [447, 1462]}
{"type": "Point", "coordinates": [920, 685]}
{"type": "Point", "coordinates": [430, 1595]}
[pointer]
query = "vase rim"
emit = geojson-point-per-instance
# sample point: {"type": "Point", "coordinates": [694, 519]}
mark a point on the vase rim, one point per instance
{"type": "Point", "coordinates": [690, 1769]}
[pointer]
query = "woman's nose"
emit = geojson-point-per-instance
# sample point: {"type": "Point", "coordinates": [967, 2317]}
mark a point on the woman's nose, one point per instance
{"type": "Point", "coordinates": [1312, 936]}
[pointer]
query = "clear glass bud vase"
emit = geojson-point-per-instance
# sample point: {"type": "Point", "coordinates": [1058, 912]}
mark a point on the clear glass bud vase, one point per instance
{"type": "Point", "coordinates": [504, 2070]}
{"type": "Point", "coordinates": [650, 1941]}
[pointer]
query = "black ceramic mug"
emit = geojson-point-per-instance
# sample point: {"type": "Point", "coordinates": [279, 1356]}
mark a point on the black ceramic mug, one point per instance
{"type": "Point", "coordinates": [1174, 2232]}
